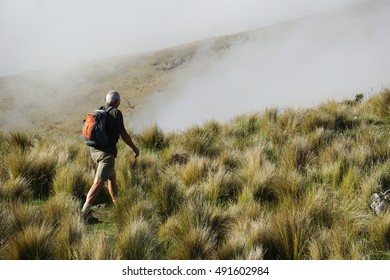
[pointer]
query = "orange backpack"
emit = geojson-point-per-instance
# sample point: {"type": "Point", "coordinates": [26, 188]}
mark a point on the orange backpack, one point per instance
{"type": "Point", "coordinates": [94, 128]}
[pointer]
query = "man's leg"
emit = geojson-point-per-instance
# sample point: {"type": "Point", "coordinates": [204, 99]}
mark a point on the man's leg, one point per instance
{"type": "Point", "coordinates": [92, 195]}
{"type": "Point", "coordinates": [112, 187]}
{"type": "Point", "coordinates": [105, 167]}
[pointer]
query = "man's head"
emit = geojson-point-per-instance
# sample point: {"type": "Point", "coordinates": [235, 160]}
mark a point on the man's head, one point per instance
{"type": "Point", "coordinates": [113, 98]}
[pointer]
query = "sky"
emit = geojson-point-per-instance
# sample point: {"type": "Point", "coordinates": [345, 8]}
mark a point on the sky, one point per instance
{"type": "Point", "coordinates": [44, 34]}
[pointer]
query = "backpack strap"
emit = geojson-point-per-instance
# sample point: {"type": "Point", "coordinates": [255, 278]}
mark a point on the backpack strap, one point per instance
{"type": "Point", "coordinates": [105, 109]}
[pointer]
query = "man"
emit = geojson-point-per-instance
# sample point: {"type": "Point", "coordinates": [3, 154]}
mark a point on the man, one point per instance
{"type": "Point", "coordinates": [105, 156]}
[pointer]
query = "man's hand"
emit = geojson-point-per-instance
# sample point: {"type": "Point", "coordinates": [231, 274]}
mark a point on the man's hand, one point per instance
{"type": "Point", "coordinates": [136, 151]}
{"type": "Point", "coordinates": [127, 139]}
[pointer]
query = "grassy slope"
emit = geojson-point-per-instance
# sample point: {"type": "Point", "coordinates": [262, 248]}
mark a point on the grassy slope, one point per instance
{"type": "Point", "coordinates": [292, 184]}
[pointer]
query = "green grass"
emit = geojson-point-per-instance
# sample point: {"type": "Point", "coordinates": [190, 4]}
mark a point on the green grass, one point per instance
{"type": "Point", "coordinates": [278, 184]}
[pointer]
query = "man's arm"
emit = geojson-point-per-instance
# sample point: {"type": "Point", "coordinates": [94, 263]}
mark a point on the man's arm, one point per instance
{"type": "Point", "coordinates": [127, 139]}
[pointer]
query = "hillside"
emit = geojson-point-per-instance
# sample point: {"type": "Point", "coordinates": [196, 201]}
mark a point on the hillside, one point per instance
{"type": "Point", "coordinates": [284, 179]}
{"type": "Point", "coordinates": [293, 184]}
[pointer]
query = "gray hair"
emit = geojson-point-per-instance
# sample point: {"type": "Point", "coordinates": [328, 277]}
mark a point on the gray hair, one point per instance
{"type": "Point", "coordinates": [112, 96]}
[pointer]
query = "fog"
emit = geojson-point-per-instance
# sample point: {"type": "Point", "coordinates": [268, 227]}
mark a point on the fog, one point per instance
{"type": "Point", "coordinates": [301, 53]}
{"type": "Point", "coordinates": [332, 55]}
{"type": "Point", "coordinates": [45, 34]}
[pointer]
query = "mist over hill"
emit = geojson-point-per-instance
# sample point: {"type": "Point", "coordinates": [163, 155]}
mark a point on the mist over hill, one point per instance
{"type": "Point", "coordinates": [301, 62]}
{"type": "Point", "coordinates": [304, 62]}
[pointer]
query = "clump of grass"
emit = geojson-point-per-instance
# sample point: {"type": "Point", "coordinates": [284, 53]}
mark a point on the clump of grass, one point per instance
{"type": "Point", "coordinates": [6, 229]}
{"type": "Point", "coordinates": [20, 140]}
{"type": "Point", "coordinates": [288, 235]}
{"type": "Point", "coordinates": [152, 138]}
{"type": "Point", "coordinates": [16, 188]}
{"type": "Point", "coordinates": [265, 183]}
{"type": "Point", "coordinates": [291, 120]}
{"type": "Point", "coordinates": [318, 118]}
{"type": "Point", "coordinates": [22, 215]}
{"type": "Point", "coordinates": [340, 115]}
{"type": "Point", "coordinates": [194, 171]}
{"type": "Point", "coordinates": [62, 213]}
{"type": "Point", "coordinates": [297, 154]}
{"type": "Point", "coordinates": [223, 187]}
{"type": "Point", "coordinates": [59, 207]}
{"type": "Point", "coordinates": [34, 242]}
{"type": "Point", "coordinates": [380, 237]}
{"type": "Point", "coordinates": [242, 240]}
{"type": "Point", "coordinates": [71, 179]}
{"type": "Point", "coordinates": [230, 160]}
{"type": "Point", "coordinates": [195, 232]}
{"type": "Point", "coordinates": [318, 204]}
{"type": "Point", "coordinates": [140, 173]}
{"type": "Point", "coordinates": [245, 126]}
{"type": "Point", "coordinates": [380, 104]}
{"type": "Point", "coordinates": [351, 181]}
{"type": "Point", "coordinates": [175, 155]}
{"type": "Point", "coordinates": [196, 244]}
{"type": "Point", "coordinates": [167, 196]}
{"type": "Point", "coordinates": [338, 243]}
{"type": "Point", "coordinates": [69, 235]}
{"type": "Point", "coordinates": [138, 241]}
{"type": "Point", "coordinates": [201, 141]}
{"type": "Point", "coordinates": [96, 246]}
{"type": "Point", "coordinates": [383, 176]}
{"type": "Point", "coordinates": [131, 208]}
{"type": "Point", "coordinates": [38, 171]}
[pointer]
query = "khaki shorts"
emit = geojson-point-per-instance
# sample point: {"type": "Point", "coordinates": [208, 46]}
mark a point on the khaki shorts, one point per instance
{"type": "Point", "coordinates": [105, 164]}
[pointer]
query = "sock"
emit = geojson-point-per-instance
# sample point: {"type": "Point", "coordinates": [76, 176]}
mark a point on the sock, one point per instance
{"type": "Point", "coordinates": [86, 207]}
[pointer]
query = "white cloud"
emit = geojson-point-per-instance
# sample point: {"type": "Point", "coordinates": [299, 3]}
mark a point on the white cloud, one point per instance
{"type": "Point", "coordinates": [48, 33]}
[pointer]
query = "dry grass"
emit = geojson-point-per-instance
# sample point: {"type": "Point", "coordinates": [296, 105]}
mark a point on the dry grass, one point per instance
{"type": "Point", "coordinates": [282, 184]}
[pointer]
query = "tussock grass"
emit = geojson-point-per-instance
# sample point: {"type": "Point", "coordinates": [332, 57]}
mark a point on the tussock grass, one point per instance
{"type": "Point", "coordinates": [195, 232]}
{"type": "Point", "coordinates": [194, 171]}
{"type": "Point", "coordinates": [16, 188]}
{"type": "Point", "coordinates": [297, 154]}
{"type": "Point", "coordinates": [152, 138]}
{"type": "Point", "coordinates": [201, 141]}
{"type": "Point", "coordinates": [60, 206]}
{"type": "Point", "coordinates": [22, 215]}
{"type": "Point", "coordinates": [20, 140]}
{"type": "Point", "coordinates": [168, 195]}
{"type": "Point", "coordinates": [280, 184]}
{"type": "Point", "coordinates": [138, 241]}
{"type": "Point", "coordinates": [32, 243]}
{"type": "Point", "coordinates": [175, 155]}
{"type": "Point", "coordinates": [96, 246]}
{"type": "Point", "coordinates": [71, 179]}
{"type": "Point", "coordinates": [39, 171]}
{"type": "Point", "coordinates": [222, 187]}
{"type": "Point", "coordinates": [380, 104]}
{"type": "Point", "coordinates": [287, 235]}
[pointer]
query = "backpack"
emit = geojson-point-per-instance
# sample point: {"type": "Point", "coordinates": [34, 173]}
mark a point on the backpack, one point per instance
{"type": "Point", "coordinates": [94, 128]}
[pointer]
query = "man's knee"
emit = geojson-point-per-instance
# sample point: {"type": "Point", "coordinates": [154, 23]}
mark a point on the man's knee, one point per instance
{"type": "Point", "coordinates": [98, 183]}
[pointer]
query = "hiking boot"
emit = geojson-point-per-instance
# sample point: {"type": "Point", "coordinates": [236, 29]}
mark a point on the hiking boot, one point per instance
{"type": "Point", "coordinates": [91, 220]}
{"type": "Point", "coordinates": [88, 218]}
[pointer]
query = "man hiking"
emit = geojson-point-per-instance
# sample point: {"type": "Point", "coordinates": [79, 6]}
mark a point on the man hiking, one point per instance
{"type": "Point", "coordinates": [105, 156]}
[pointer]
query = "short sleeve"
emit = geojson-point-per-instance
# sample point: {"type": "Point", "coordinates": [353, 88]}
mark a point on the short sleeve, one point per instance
{"type": "Point", "coordinates": [120, 124]}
